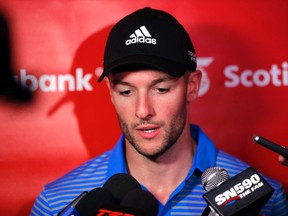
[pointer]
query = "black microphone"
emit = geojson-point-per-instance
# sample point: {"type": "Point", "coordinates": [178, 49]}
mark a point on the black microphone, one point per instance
{"type": "Point", "coordinates": [90, 204]}
{"type": "Point", "coordinates": [135, 203]}
{"type": "Point", "coordinates": [243, 195]}
{"type": "Point", "coordinates": [121, 184]}
{"type": "Point", "coordinates": [271, 145]}
{"type": "Point", "coordinates": [112, 192]}
{"type": "Point", "coordinates": [142, 200]}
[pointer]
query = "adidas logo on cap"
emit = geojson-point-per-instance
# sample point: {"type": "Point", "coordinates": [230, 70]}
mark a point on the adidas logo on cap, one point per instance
{"type": "Point", "coordinates": [141, 35]}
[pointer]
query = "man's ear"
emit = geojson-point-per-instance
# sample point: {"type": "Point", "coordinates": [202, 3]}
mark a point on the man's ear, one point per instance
{"type": "Point", "coordinates": [193, 85]}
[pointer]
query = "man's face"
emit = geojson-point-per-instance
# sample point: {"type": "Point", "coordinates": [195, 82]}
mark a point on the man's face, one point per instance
{"type": "Point", "coordinates": [151, 108]}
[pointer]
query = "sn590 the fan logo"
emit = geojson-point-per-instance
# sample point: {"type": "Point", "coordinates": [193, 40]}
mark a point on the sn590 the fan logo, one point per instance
{"type": "Point", "coordinates": [239, 191]}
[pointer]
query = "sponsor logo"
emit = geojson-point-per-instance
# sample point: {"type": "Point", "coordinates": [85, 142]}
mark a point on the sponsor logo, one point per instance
{"type": "Point", "coordinates": [203, 63]}
{"type": "Point", "coordinates": [276, 76]}
{"type": "Point", "coordinates": [141, 35]}
{"type": "Point", "coordinates": [239, 191]}
{"type": "Point", "coordinates": [106, 212]}
{"type": "Point", "coordinates": [60, 82]}
{"type": "Point", "coordinates": [234, 77]}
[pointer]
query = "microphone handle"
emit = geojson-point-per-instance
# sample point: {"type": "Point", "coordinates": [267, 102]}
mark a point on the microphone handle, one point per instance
{"type": "Point", "coordinates": [70, 209]}
{"type": "Point", "coordinates": [272, 146]}
{"type": "Point", "coordinates": [209, 212]}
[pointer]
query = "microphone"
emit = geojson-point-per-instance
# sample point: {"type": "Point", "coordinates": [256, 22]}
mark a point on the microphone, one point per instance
{"type": "Point", "coordinates": [143, 200]}
{"type": "Point", "coordinates": [121, 184]}
{"type": "Point", "coordinates": [135, 203]}
{"type": "Point", "coordinates": [243, 195]}
{"type": "Point", "coordinates": [112, 192]}
{"type": "Point", "coordinates": [271, 145]}
{"type": "Point", "coordinates": [87, 203]}
{"type": "Point", "coordinates": [128, 199]}
{"type": "Point", "coordinates": [90, 204]}
{"type": "Point", "coordinates": [211, 178]}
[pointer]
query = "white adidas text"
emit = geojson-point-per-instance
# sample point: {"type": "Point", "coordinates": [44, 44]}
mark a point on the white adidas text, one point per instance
{"type": "Point", "coordinates": [141, 35]}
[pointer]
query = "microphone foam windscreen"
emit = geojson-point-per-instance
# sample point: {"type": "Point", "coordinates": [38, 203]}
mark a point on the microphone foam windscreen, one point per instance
{"type": "Point", "coordinates": [142, 200]}
{"type": "Point", "coordinates": [90, 203]}
{"type": "Point", "coordinates": [121, 184]}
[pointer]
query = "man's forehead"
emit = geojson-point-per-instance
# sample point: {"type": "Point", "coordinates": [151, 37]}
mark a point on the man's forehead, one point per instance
{"type": "Point", "coordinates": [149, 74]}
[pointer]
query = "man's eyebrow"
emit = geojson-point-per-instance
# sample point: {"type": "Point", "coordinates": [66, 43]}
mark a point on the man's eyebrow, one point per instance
{"type": "Point", "coordinates": [163, 79]}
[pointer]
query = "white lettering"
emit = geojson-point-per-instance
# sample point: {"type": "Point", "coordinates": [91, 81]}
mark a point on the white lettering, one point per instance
{"type": "Point", "coordinates": [255, 179]}
{"type": "Point", "coordinates": [220, 199]}
{"type": "Point", "coordinates": [230, 193]}
{"type": "Point", "coordinates": [261, 78]}
{"type": "Point", "coordinates": [52, 83]}
{"type": "Point", "coordinates": [275, 73]}
{"type": "Point", "coordinates": [28, 81]}
{"type": "Point", "coordinates": [260, 184]}
{"type": "Point", "coordinates": [82, 82]}
{"type": "Point", "coordinates": [241, 189]}
{"type": "Point", "coordinates": [246, 78]}
{"type": "Point", "coordinates": [276, 76]}
{"type": "Point", "coordinates": [229, 72]}
{"type": "Point", "coordinates": [245, 193]}
{"type": "Point", "coordinates": [66, 80]}
{"type": "Point", "coordinates": [47, 83]}
{"type": "Point", "coordinates": [285, 73]}
{"type": "Point", "coordinates": [141, 40]}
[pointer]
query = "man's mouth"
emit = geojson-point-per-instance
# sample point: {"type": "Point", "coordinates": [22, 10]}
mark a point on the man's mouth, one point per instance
{"type": "Point", "coordinates": [148, 130]}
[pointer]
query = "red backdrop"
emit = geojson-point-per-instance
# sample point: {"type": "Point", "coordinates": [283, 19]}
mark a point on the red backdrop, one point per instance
{"type": "Point", "coordinates": [57, 49]}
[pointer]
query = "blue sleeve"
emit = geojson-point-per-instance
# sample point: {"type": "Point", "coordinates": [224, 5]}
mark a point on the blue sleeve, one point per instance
{"type": "Point", "coordinates": [277, 205]}
{"type": "Point", "coordinates": [280, 206]}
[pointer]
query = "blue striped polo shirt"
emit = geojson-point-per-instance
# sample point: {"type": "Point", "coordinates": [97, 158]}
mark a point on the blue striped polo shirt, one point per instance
{"type": "Point", "coordinates": [186, 199]}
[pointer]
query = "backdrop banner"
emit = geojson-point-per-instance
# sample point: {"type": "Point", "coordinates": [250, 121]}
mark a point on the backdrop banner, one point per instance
{"type": "Point", "coordinates": [57, 50]}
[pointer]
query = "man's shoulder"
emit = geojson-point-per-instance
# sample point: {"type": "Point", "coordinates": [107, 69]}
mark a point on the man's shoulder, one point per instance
{"type": "Point", "coordinates": [59, 193]}
{"type": "Point", "coordinates": [87, 176]}
{"type": "Point", "coordinates": [234, 166]}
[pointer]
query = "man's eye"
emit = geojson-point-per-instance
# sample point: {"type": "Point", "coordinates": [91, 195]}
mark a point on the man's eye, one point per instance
{"type": "Point", "coordinates": [162, 90]}
{"type": "Point", "coordinates": [125, 93]}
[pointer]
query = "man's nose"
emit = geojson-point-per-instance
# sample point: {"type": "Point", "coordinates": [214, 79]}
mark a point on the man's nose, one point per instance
{"type": "Point", "coordinates": [144, 109]}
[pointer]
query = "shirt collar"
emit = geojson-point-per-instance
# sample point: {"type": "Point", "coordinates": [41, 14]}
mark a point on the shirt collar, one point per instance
{"type": "Point", "coordinates": [205, 155]}
{"type": "Point", "coordinates": [117, 161]}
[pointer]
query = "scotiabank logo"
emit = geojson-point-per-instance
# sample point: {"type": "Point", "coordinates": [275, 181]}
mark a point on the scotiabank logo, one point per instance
{"type": "Point", "coordinates": [203, 64]}
{"type": "Point", "coordinates": [234, 76]}
{"type": "Point", "coordinates": [276, 76]}
{"type": "Point", "coordinates": [60, 82]}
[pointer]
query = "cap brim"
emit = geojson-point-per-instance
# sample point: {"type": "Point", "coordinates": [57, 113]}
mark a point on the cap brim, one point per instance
{"type": "Point", "coordinates": [144, 61]}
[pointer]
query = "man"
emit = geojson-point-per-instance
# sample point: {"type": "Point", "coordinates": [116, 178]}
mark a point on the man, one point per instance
{"type": "Point", "coordinates": [150, 69]}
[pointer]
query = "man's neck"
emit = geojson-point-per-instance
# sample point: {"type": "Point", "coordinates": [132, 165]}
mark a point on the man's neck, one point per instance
{"type": "Point", "coordinates": [162, 175]}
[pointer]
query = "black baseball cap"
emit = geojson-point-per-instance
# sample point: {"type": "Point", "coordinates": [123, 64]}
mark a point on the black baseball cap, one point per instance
{"type": "Point", "coordinates": [149, 38]}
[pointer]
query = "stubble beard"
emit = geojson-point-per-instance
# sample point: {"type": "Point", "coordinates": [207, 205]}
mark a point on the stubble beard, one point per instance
{"type": "Point", "coordinates": [171, 135]}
